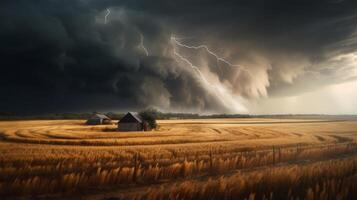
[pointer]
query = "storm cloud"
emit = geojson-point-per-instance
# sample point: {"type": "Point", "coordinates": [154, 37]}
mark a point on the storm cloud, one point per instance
{"type": "Point", "coordinates": [182, 56]}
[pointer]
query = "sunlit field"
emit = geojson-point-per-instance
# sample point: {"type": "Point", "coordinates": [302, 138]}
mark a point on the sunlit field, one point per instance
{"type": "Point", "coordinates": [182, 159]}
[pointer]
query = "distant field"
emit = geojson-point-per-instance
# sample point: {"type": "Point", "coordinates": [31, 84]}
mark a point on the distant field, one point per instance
{"type": "Point", "coordinates": [66, 157]}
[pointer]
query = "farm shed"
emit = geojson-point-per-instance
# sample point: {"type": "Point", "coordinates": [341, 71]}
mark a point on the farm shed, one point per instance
{"type": "Point", "coordinates": [98, 119]}
{"type": "Point", "coordinates": [132, 122]}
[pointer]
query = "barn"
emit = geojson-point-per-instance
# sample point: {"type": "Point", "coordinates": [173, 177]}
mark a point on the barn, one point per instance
{"type": "Point", "coordinates": [98, 119]}
{"type": "Point", "coordinates": [131, 122]}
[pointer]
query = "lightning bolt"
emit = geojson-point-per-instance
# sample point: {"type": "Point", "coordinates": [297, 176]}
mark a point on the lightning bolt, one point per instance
{"type": "Point", "coordinates": [216, 88]}
{"type": "Point", "coordinates": [192, 66]}
{"type": "Point", "coordinates": [106, 16]}
{"type": "Point", "coordinates": [188, 62]}
{"type": "Point", "coordinates": [203, 78]}
{"type": "Point", "coordinates": [218, 58]}
{"type": "Point", "coordinates": [141, 45]}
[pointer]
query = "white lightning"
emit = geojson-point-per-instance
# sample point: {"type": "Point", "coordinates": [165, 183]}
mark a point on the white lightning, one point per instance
{"type": "Point", "coordinates": [218, 58]}
{"type": "Point", "coordinates": [106, 16]}
{"type": "Point", "coordinates": [192, 66]}
{"type": "Point", "coordinates": [223, 95]}
{"type": "Point", "coordinates": [142, 45]}
{"type": "Point", "coordinates": [203, 78]}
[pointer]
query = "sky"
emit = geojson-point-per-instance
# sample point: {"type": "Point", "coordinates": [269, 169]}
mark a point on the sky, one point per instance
{"type": "Point", "coordinates": [242, 56]}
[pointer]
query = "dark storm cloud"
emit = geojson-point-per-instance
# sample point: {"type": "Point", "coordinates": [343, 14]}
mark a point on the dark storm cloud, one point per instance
{"type": "Point", "coordinates": [290, 35]}
{"type": "Point", "coordinates": [56, 57]}
{"type": "Point", "coordinates": [61, 56]}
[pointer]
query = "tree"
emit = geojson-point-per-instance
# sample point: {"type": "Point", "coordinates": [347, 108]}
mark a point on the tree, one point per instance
{"type": "Point", "coordinates": [149, 115]}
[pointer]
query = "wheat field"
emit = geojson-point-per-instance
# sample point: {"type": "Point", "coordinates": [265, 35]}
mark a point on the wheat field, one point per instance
{"type": "Point", "coordinates": [182, 159]}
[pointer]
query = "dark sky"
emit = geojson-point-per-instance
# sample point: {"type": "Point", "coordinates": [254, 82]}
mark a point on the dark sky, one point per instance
{"type": "Point", "coordinates": [185, 56]}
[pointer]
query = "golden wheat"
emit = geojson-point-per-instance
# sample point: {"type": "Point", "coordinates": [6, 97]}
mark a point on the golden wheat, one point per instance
{"type": "Point", "coordinates": [43, 157]}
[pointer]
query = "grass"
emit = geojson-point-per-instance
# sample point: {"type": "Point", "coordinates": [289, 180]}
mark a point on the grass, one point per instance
{"type": "Point", "coordinates": [67, 157]}
{"type": "Point", "coordinates": [322, 180]}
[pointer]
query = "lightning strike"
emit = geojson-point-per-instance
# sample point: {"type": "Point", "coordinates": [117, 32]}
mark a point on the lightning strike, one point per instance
{"type": "Point", "coordinates": [106, 16]}
{"type": "Point", "coordinates": [224, 96]}
{"type": "Point", "coordinates": [192, 66]}
{"type": "Point", "coordinates": [142, 45]}
{"type": "Point", "coordinates": [218, 58]}
{"type": "Point", "coordinates": [203, 78]}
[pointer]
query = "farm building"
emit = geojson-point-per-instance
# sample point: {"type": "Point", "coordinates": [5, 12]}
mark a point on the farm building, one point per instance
{"type": "Point", "coordinates": [132, 122]}
{"type": "Point", "coordinates": [98, 119]}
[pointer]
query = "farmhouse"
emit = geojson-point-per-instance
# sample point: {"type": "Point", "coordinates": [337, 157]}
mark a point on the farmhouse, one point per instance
{"type": "Point", "coordinates": [131, 122]}
{"type": "Point", "coordinates": [98, 119]}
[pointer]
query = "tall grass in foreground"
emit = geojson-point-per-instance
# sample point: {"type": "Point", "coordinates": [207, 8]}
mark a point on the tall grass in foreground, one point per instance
{"type": "Point", "coordinates": [323, 181]}
{"type": "Point", "coordinates": [71, 176]}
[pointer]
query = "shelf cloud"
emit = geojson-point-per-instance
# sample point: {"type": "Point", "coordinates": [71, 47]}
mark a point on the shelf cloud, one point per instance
{"type": "Point", "coordinates": [180, 56]}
